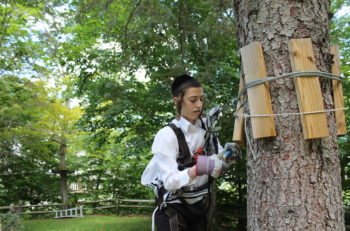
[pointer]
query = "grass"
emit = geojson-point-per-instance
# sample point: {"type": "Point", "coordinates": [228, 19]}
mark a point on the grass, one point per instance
{"type": "Point", "coordinates": [90, 223]}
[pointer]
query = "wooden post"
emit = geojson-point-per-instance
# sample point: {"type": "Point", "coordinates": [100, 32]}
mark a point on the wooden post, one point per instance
{"type": "Point", "coordinates": [308, 89]}
{"type": "Point", "coordinates": [20, 203]}
{"type": "Point", "coordinates": [238, 135]}
{"type": "Point", "coordinates": [258, 96]}
{"type": "Point", "coordinates": [12, 208]}
{"type": "Point", "coordinates": [117, 206]}
{"type": "Point", "coordinates": [338, 93]}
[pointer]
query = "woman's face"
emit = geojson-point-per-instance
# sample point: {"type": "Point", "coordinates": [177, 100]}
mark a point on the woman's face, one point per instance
{"type": "Point", "coordinates": [192, 103]}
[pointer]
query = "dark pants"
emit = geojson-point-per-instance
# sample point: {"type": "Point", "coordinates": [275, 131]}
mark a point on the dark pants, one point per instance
{"type": "Point", "coordinates": [182, 217]}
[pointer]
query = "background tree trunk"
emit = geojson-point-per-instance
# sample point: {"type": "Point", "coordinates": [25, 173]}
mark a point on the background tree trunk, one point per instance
{"type": "Point", "coordinates": [293, 184]}
{"type": "Point", "coordinates": [63, 172]}
{"type": "Point", "coordinates": [212, 209]}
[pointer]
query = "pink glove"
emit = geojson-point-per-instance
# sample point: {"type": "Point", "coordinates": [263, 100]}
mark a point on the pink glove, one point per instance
{"type": "Point", "coordinates": [211, 165]}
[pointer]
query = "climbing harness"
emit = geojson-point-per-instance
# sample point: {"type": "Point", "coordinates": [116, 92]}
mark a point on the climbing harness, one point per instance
{"type": "Point", "coordinates": [164, 197]}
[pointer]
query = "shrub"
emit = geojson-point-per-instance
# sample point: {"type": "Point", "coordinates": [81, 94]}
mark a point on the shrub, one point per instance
{"type": "Point", "coordinates": [10, 222]}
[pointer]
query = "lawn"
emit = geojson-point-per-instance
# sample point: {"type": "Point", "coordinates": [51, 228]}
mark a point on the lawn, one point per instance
{"type": "Point", "coordinates": [90, 223]}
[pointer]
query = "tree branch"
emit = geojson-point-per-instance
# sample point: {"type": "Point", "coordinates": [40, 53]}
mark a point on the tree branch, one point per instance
{"type": "Point", "coordinates": [129, 20]}
{"type": "Point", "coordinates": [181, 35]}
{"type": "Point", "coordinates": [4, 22]}
{"type": "Point", "coordinates": [226, 13]}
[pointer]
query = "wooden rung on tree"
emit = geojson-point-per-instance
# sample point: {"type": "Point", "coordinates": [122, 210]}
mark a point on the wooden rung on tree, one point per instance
{"type": "Point", "coordinates": [308, 89]}
{"type": "Point", "coordinates": [338, 93]}
{"type": "Point", "coordinates": [238, 135]}
{"type": "Point", "coordinates": [258, 96]}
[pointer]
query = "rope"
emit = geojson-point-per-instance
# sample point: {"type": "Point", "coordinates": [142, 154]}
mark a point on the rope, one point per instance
{"type": "Point", "coordinates": [288, 75]}
{"type": "Point", "coordinates": [289, 113]}
{"type": "Point", "coordinates": [248, 140]}
{"type": "Point", "coordinates": [269, 79]}
{"type": "Point", "coordinates": [246, 116]}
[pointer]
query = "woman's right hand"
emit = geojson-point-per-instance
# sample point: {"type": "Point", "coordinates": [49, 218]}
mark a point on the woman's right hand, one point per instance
{"type": "Point", "coordinates": [211, 165]}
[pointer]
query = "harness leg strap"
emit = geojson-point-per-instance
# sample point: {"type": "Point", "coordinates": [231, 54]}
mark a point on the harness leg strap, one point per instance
{"type": "Point", "coordinates": [175, 219]}
{"type": "Point", "coordinates": [174, 224]}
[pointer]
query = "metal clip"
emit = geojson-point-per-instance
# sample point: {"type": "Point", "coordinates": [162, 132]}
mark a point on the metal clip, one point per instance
{"type": "Point", "coordinates": [190, 188]}
{"type": "Point", "coordinates": [179, 191]}
{"type": "Point", "coordinates": [163, 205]}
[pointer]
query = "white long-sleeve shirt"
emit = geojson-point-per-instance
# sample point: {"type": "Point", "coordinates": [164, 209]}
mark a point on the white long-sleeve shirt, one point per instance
{"type": "Point", "coordinates": [163, 167]}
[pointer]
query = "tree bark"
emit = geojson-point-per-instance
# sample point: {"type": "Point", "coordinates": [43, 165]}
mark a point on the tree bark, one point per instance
{"type": "Point", "coordinates": [63, 171]}
{"type": "Point", "coordinates": [293, 184]}
{"type": "Point", "coordinates": [212, 209]}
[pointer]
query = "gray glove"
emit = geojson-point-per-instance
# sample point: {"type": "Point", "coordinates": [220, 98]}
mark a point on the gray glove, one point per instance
{"type": "Point", "coordinates": [231, 153]}
{"type": "Point", "coordinates": [211, 165]}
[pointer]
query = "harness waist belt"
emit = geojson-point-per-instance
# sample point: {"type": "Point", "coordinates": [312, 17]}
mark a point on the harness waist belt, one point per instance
{"type": "Point", "coordinates": [189, 192]}
{"type": "Point", "coordinates": [194, 188]}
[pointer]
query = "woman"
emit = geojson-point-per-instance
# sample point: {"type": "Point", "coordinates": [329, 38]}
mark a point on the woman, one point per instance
{"type": "Point", "coordinates": [178, 174]}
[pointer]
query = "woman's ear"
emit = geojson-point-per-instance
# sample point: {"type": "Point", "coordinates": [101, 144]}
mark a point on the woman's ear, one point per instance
{"type": "Point", "coordinates": [176, 99]}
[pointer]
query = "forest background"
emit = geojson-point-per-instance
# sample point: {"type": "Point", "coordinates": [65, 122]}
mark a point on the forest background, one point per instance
{"type": "Point", "coordinates": [85, 85]}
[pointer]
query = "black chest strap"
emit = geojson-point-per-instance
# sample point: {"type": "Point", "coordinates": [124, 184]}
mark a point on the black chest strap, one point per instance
{"type": "Point", "coordinates": [184, 160]}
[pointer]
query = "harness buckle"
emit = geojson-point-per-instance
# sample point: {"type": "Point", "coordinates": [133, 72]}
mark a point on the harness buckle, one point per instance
{"type": "Point", "coordinates": [190, 188]}
{"type": "Point", "coordinates": [163, 205]}
{"type": "Point", "coordinates": [180, 191]}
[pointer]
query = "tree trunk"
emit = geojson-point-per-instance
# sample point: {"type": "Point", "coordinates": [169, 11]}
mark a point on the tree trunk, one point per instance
{"type": "Point", "coordinates": [212, 209]}
{"type": "Point", "coordinates": [63, 172]}
{"type": "Point", "coordinates": [293, 184]}
{"type": "Point", "coordinates": [64, 188]}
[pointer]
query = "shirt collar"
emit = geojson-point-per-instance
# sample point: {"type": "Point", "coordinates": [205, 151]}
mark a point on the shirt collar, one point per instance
{"type": "Point", "coordinates": [187, 126]}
